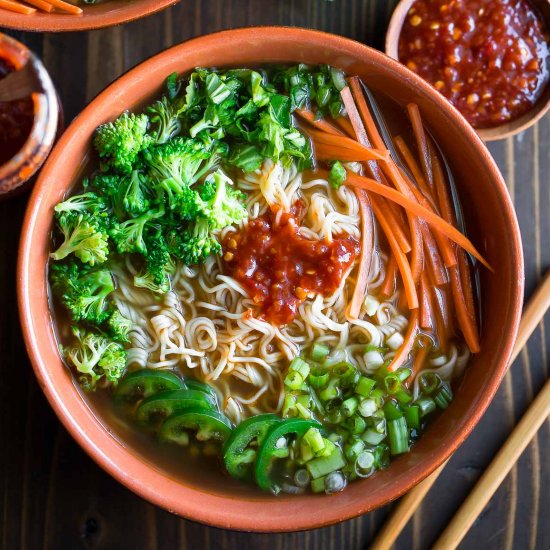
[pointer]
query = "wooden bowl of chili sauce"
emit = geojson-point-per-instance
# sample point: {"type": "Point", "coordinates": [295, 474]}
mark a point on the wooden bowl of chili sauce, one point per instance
{"type": "Point", "coordinates": [28, 125]}
{"type": "Point", "coordinates": [489, 58]}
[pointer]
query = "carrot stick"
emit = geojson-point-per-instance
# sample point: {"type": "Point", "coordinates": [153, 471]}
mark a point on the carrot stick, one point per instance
{"type": "Point", "coordinates": [400, 258]}
{"type": "Point", "coordinates": [320, 123]}
{"type": "Point", "coordinates": [433, 257]}
{"type": "Point", "coordinates": [16, 7]}
{"type": "Point", "coordinates": [419, 360]}
{"type": "Point", "coordinates": [432, 219]}
{"type": "Point", "coordinates": [402, 354]}
{"type": "Point", "coordinates": [364, 111]}
{"type": "Point", "coordinates": [388, 286]}
{"type": "Point", "coordinates": [65, 6]}
{"type": "Point", "coordinates": [367, 234]}
{"type": "Point", "coordinates": [466, 322]}
{"type": "Point", "coordinates": [354, 116]}
{"type": "Point", "coordinates": [411, 163]}
{"type": "Point", "coordinates": [395, 223]}
{"type": "Point", "coordinates": [426, 305]}
{"type": "Point", "coordinates": [44, 6]}
{"type": "Point", "coordinates": [421, 141]}
{"type": "Point", "coordinates": [345, 126]}
{"type": "Point", "coordinates": [329, 152]}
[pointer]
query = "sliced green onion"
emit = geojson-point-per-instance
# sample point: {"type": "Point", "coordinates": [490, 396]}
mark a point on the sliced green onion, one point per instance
{"type": "Point", "coordinates": [365, 460]}
{"type": "Point", "coordinates": [378, 422]}
{"type": "Point", "coordinates": [289, 406]}
{"type": "Point", "coordinates": [319, 351]}
{"type": "Point", "coordinates": [378, 396]}
{"type": "Point", "coordinates": [318, 485]}
{"type": "Point", "coordinates": [381, 456]}
{"type": "Point", "coordinates": [334, 483]}
{"type": "Point", "coordinates": [403, 373]}
{"type": "Point", "coordinates": [304, 413]}
{"type": "Point", "coordinates": [372, 437]}
{"type": "Point", "coordinates": [349, 406]}
{"type": "Point", "coordinates": [429, 382]}
{"type": "Point", "coordinates": [306, 452]}
{"type": "Point", "coordinates": [324, 465]}
{"type": "Point", "coordinates": [318, 381]}
{"type": "Point", "coordinates": [302, 477]}
{"type": "Point", "coordinates": [345, 371]}
{"type": "Point", "coordinates": [367, 407]}
{"type": "Point", "coordinates": [364, 386]}
{"type": "Point", "coordinates": [373, 359]}
{"type": "Point", "coordinates": [443, 396]}
{"type": "Point", "coordinates": [426, 405]}
{"type": "Point", "coordinates": [352, 450]}
{"type": "Point", "coordinates": [395, 341]}
{"type": "Point", "coordinates": [299, 365]}
{"type": "Point", "coordinates": [371, 305]}
{"type": "Point", "coordinates": [336, 416]}
{"type": "Point", "coordinates": [331, 391]}
{"type": "Point", "coordinates": [392, 383]}
{"type": "Point", "coordinates": [338, 78]}
{"type": "Point", "coordinates": [403, 396]}
{"type": "Point", "coordinates": [392, 411]}
{"type": "Point", "coordinates": [398, 436]}
{"type": "Point", "coordinates": [294, 380]}
{"type": "Point", "coordinates": [356, 424]}
{"type": "Point", "coordinates": [412, 416]}
{"type": "Point", "coordinates": [314, 439]}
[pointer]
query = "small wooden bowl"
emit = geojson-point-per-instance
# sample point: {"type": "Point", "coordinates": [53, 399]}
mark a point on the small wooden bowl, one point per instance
{"type": "Point", "coordinates": [502, 131]}
{"type": "Point", "coordinates": [97, 16]}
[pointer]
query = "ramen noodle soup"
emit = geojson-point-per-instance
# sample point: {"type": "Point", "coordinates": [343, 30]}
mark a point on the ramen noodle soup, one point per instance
{"type": "Point", "coordinates": [265, 275]}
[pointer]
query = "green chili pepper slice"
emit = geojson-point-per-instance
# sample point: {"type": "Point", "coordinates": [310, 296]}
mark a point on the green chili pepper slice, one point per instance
{"type": "Point", "coordinates": [238, 455]}
{"type": "Point", "coordinates": [197, 385]}
{"type": "Point", "coordinates": [160, 406]}
{"type": "Point", "coordinates": [268, 451]}
{"type": "Point", "coordinates": [207, 425]}
{"type": "Point", "coordinates": [143, 383]}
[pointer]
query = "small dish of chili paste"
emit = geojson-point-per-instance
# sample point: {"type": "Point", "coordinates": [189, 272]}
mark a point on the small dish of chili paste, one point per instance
{"type": "Point", "coordinates": [489, 58]}
{"type": "Point", "coordinates": [16, 119]}
{"type": "Point", "coordinates": [28, 125]}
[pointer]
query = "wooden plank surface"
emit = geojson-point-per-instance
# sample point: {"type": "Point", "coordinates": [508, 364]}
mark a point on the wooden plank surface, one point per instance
{"type": "Point", "coordinates": [54, 496]}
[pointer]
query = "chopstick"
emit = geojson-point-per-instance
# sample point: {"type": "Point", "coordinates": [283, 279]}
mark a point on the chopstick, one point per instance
{"type": "Point", "coordinates": [532, 315]}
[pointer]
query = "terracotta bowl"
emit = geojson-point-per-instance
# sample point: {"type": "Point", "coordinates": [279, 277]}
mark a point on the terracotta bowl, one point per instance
{"type": "Point", "coordinates": [525, 121]}
{"type": "Point", "coordinates": [96, 16]}
{"type": "Point", "coordinates": [225, 504]}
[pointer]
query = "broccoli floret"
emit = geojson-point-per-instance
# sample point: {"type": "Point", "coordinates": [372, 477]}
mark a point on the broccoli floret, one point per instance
{"type": "Point", "coordinates": [135, 199]}
{"type": "Point", "coordinates": [83, 291]}
{"type": "Point", "coordinates": [165, 117]}
{"type": "Point", "coordinates": [129, 235]}
{"type": "Point", "coordinates": [84, 236]}
{"type": "Point", "coordinates": [96, 356]}
{"type": "Point", "coordinates": [89, 202]}
{"type": "Point", "coordinates": [121, 141]}
{"type": "Point", "coordinates": [196, 245]}
{"type": "Point", "coordinates": [224, 207]}
{"type": "Point", "coordinates": [158, 265]}
{"type": "Point", "coordinates": [179, 160]}
{"type": "Point", "coordinates": [119, 327]}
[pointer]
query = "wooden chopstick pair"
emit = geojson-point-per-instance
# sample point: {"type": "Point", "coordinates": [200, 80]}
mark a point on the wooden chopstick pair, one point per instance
{"type": "Point", "coordinates": [501, 464]}
{"type": "Point", "coordinates": [44, 5]}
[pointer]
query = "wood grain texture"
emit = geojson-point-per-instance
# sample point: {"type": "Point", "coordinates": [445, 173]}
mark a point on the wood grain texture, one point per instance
{"type": "Point", "coordinates": [54, 496]}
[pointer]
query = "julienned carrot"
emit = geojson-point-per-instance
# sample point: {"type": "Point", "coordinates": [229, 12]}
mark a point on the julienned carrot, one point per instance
{"type": "Point", "coordinates": [329, 153]}
{"type": "Point", "coordinates": [367, 236]}
{"type": "Point", "coordinates": [341, 143]}
{"type": "Point", "coordinates": [354, 116]}
{"type": "Point", "coordinates": [432, 219]}
{"type": "Point", "coordinates": [412, 165]}
{"type": "Point", "coordinates": [65, 6]}
{"type": "Point", "coordinates": [421, 141]}
{"type": "Point", "coordinates": [320, 123]}
{"type": "Point", "coordinates": [446, 248]}
{"type": "Point", "coordinates": [345, 125]}
{"type": "Point", "coordinates": [16, 7]}
{"type": "Point", "coordinates": [417, 253]}
{"type": "Point", "coordinates": [400, 258]}
{"type": "Point", "coordinates": [443, 199]}
{"type": "Point", "coordinates": [433, 257]}
{"type": "Point", "coordinates": [402, 354]}
{"type": "Point", "coordinates": [396, 225]}
{"type": "Point", "coordinates": [467, 324]}
{"type": "Point", "coordinates": [44, 6]}
{"type": "Point", "coordinates": [364, 111]}
{"type": "Point", "coordinates": [388, 286]}
{"type": "Point", "coordinates": [419, 359]}
{"type": "Point", "coordinates": [426, 305]}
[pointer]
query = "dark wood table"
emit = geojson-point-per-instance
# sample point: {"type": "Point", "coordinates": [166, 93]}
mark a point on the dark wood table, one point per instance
{"type": "Point", "coordinates": [54, 496]}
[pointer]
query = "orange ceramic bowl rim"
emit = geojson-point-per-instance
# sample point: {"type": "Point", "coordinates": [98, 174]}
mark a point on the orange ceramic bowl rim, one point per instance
{"type": "Point", "coordinates": [215, 505]}
{"type": "Point", "coordinates": [115, 12]}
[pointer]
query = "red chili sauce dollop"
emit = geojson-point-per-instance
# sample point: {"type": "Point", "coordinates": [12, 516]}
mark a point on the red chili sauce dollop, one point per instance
{"type": "Point", "coordinates": [279, 267]}
{"type": "Point", "coordinates": [16, 120]}
{"type": "Point", "coordinates": [490, 58]}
